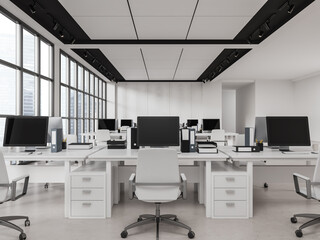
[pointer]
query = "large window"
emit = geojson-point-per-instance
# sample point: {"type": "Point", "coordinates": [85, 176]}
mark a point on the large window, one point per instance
{"type": "Point", "coordinates": [26, 67]}
{"type": "Point", "coordinates": [81, 103]}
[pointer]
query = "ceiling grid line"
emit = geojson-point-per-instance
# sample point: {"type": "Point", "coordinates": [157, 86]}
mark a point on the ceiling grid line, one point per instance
{"type": "Point", "coordinates": [144, 63]}
{"type": "Point", "coordinates": [174, 75]}
{"type": "Point", "coordinates": [194, 12]}
{"type": "Point", "coordinates": [134, 25]}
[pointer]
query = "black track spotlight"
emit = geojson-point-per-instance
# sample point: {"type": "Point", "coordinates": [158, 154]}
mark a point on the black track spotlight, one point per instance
{"type": "Point", "coordinates": [219, 68]}
{"type": "Point", "coordinates": [73, 41]}
{"type": "Point", "coordinates": [236, 54]}
{"type": "Point", "coordinates": [56, 26]}
{"type": "Point", "coordinates": [85, 54]}
{"type": "Point", "coordinates": [261, 33]}
{"type": "Point", "coordinates": [61, 34]}
{"type": "Point", "coordinates": [291, 8]}
{"type": "Point", "coordinates": [32, 8]}
{"type": "Point", "coordinates": [93, 61]}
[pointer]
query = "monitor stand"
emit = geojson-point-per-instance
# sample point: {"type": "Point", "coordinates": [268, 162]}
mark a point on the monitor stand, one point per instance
{"type": "Point", "coordinates": [30, 149]}
{"type": "Point", "coordinates": [284, 149]}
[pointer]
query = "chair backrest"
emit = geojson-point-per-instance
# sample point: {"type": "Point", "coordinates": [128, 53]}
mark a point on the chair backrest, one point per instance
{"type": "Point", "coordinates": [4, 179]}
{"type": "Point", "coordinates": [157, 166]}
{"type": "Point", "coordinates": [316, 178]}
{"type": "Point", "coordinates": [218, 135]}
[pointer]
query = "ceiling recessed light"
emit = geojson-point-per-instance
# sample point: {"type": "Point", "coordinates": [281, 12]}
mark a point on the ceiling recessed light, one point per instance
{"type": "Point", "coordinates": [32, 8]}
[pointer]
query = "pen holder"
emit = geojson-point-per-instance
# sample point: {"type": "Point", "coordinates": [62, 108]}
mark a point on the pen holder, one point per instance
{"type": "Point", "coordinates": [260, 145]}
{"type": "Point", "coordinates": [64, 145]}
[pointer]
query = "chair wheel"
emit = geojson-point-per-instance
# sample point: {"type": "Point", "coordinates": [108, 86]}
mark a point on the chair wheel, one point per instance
{"type": "Point", "coordinates": [22, 236]}
{"type": "Point", "coordinates": [124, 234]}
{"type": "Point", "coordinates": [139, 219]}
{"type": "Point", "coordinates": [176, 219]}
{"type": "Point", "coordinates": [299, 233]}
{"type": "Point", "coordinates": [265, 185]}
{"type": "Point", "coordinates": [27, 223]}
{"type": "Point", "coordinates": [191, 234]}
{"type": "Point", "coordinates": [294, 220]}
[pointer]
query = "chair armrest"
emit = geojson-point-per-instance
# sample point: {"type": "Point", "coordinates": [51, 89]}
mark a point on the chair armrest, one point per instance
{"type": "Point", "coordinates": [132, 187]}
{"type": "Point", "coordinates": [14, 187]}
{"type": "Point", "coordinates": [183, 187]}
{"type": "Point", "coordinates": [297, 187]}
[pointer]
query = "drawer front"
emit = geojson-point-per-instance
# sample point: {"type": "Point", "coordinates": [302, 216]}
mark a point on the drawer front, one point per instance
{"type": "Point", "coordinates": [230, 181]}
{"type": "Point", "coordinates": [87, 181]}
{"type": "Point", "coordinates": [237, 194]}
{"type": "Point", "coordinates": [87, 194]}
{"type": "Point", "coordinates": [230, 209]}
{"type": "Point", "coordinates": [87, 209]}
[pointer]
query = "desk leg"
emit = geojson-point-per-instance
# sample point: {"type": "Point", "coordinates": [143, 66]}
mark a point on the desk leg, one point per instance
{"type": "Point", "coordinates": [109, 199]}
{"type": "Point", "coordinates": [250, 174]}
{"type": "Point", "coordinates": [67, 189]}
{"type": "Point", "coordinates": [201, 183]}
{"type": "Point", "coordinates": [116, 187]}
{"type": "Point", "coordinates": [208, 183]}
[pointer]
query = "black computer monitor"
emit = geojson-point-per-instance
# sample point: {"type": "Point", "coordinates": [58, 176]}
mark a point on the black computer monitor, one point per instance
{"type": "Point", "coordinates": [288, 131]}
{"type": "Point", "coordinates": [192, 122]}
{"type": "Point", "coordinates": [158, 131]}
{"type": "Point", "coordinates": [210, 124]}
{"type": "Point", "coordinates": [26, 132]}
{"type": "Point", "coordinates": [109, 124]}
{"type": "Point", "coordinates": [126, 122]}
{"type": "Point", "coordinates": [260, 132]}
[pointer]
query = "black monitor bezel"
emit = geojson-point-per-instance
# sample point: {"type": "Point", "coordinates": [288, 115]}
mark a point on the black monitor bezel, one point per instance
{"type": "Point", "coordinates": [287, 117]}
{"type": "Point", "coordinates": [205, 119]}
{"type": "Point", "coordinates": [126, 120]}
{"type": "Point", "coordinates": [192, 120]}
{"type": "Point", "coordinates": [25, 145]}
{"type": "Point", "coordinates": [103, 119]}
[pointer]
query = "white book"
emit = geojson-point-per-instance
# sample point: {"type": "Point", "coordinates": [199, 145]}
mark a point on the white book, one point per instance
{"type": "Point", "coordinates": [207, 150]}
{"type": "Point", "coordinates": [80, 146]}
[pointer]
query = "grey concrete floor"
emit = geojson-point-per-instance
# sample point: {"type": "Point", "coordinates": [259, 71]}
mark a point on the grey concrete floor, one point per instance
{"type": "Point", "coordinates": [272, 211]}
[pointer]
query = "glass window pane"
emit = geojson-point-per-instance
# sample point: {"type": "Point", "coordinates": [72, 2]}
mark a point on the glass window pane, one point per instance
{"type": "Point", "coordinates": [45, 100]}
{"type": "Point", "coordinates": [72, 74]}
{"type": "Point", "coordinates": [28, 95]}
{"type": "Point", "coordinates": [96, 109]}
{"type": "Point", "coordinates": [91, 84]}
{"type": "Point", "coordinates": [72, 129]}
{"type": "Point", "coordinates": [7, 90]}
{"type": "Point", "coordinates": [7, 39]}
{"type": "Point", "coordinates": [96, 84]}
{"type": "Point", "coordinates": [80, 78]}
{"type": "Point", "coordinates": [45, 59]}
{"type": "Point", "coordinates": [104, 109]}
{"type": "Point", "coordinates": [65, 127]}
{"type": "Point", "coordinates": [100, 89]}
{"type": "Point", "coordinates": [73, 103]}
{"type": "Point", "coordinates": [91, 125]}
{"type": "Point", "coordinates": [100, 109]}
{"type": "Point", "coordinates": [28, 50]}
{"type": "Point", "coordinates": [91, 107]}
{"type": "Point", "coordinates": [63, 69]}
{"type": "Point", "coordinates": [79, 129]}
{"type": "Point", "coordinates": [80, 106]}
{"type": "Point", "coordinates": [104, 91]}
{"type": "Point", "coordinates": [86, 106]}
{"type": "Point", "coordinates": [64, 102]}
{"type": "Point", "coordinates": [86, 81]}
{"type": "Point", "coordinates": [85, 126]}
{"type": "Point", "coordinates": [2, 126]}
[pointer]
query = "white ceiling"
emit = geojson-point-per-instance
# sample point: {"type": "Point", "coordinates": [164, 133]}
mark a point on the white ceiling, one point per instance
{"type": "Point", "coordinates": [291, 52]}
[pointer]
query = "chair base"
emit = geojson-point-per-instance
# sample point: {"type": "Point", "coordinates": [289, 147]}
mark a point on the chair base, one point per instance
{"type": "Point", "coordinates": [5, 221]}
{"type": "Point", "coordinates": [157, 218]}
{"type": "Point", "coordinates": [315, 220]}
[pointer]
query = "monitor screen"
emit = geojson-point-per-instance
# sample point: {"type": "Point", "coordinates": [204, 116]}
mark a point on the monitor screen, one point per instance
{"type": "Point", "coordinates": [26, 131]}
{"type": "Point", "coordinates": [158, 131]}
{"type": "Point", "coordinates": [109, 124]}
{"type": "Point", "coordinates": [260, 132]}
{"type": "Point", "coordinates": [126, 122]}
{"type": "Point", "coordinates": [54, 123]}
{"type": "Point", "coordinates": [210, 124]}
{"type": "Point", "coordinates": [288, 131]}
{"type": "Point", "coordinates": [192, 122]}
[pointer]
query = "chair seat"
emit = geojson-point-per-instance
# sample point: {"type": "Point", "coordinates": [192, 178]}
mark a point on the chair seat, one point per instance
{"type": "Point", "coordinates": [303, 190]}
{"type": "Point", "coordinates": [157, 194]}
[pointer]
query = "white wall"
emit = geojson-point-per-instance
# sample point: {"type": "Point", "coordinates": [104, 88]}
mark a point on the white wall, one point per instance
{"type": "Point", "coordinates": [274, 98]}
{"type": "Point", "coordinates": [187, 100]}
{"type": "Point", "coordinates": [229, 110]}
{"type": "Point", "coordinates": [245, 107]}
{"type": "Point", "coordinates": [307, 101]}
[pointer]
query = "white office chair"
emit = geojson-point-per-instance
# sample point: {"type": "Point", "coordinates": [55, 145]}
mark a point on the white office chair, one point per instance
{"type": "Point", "coordinates": [312, 190]}
{"type": "Point", "coordinates": [218, 136]}
{"type": "Point", "coordinates": [5, 186]}
{"type": "Point", "coordinates": [157, 180]}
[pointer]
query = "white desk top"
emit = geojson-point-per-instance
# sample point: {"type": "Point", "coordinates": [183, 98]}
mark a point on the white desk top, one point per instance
{"type": "Point", "coordinates": [266, 154]}
{"type": "Point", "coordinates": [132, 154]}
{"type": "Point", "coordinates": [46, 155]}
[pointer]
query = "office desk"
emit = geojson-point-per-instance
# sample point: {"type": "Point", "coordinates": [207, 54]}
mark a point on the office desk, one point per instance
{"type": "Point", "coordinates": [113, 157]}
{"type": "Point", "coordinates": [65, 156]}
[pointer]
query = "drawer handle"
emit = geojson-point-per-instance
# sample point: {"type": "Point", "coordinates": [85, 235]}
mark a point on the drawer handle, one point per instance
{"type": "Point", "coordinates": [86, 179]}
{"type": "Point", "coordinates": [86, 204]}
{"type": "Point", "coordinates": [86, 191]}
{"type": "Point", "coordinates": [230, 204]}
{"type": "Point", "coordinates": [230, 191]}
{"type": "Point", "coordinates": [230, 179]}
